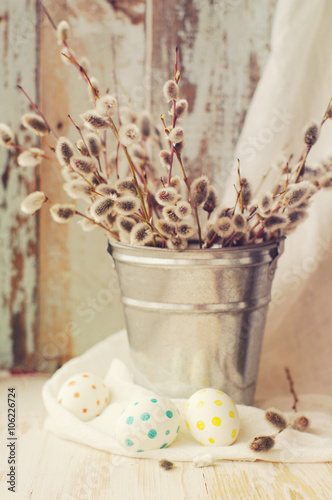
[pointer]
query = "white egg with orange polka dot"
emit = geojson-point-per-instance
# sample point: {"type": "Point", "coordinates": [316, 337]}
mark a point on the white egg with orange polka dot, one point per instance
{"type": "Point", "coordinates": [212, 418]}
{"type": "Point", "coordinates": [85, 395]}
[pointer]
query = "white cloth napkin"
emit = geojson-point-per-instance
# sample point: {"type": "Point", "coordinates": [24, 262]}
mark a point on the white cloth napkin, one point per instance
{"type": "Point", "coordinates": [110, 360]}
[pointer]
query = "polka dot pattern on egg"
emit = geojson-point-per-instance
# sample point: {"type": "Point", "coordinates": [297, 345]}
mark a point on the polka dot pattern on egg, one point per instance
{"type": "Point", "coordinates": [85, 395]}
{"type": "Point", "coordinates": [212, 417]}
{"type": "Point", "coordinates": [151, 423]}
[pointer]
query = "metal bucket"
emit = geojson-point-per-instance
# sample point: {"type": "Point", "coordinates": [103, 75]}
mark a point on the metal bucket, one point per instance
{"type": "Point", "coordinates": [196, 318]}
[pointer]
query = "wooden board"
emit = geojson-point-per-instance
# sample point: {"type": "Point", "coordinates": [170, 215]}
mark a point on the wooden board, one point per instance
{"type": "Point", "coordinates": [223, 49]}
{"type": "Point", "coordinates": [18, 233]}
{"type": "Point", "coordinates": [53, 469]}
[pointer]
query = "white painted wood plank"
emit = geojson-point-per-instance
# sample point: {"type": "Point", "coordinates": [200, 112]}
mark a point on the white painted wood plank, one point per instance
{"type": "Point", "coordinates": [18, 263]}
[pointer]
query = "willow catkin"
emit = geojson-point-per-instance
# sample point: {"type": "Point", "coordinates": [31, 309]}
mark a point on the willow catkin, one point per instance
{"type": "Point", "coordinates": [64, 151]}
{"type": "Point", "coordinates": [101, 208]}
{"type": "Point", "coordinates": [83, 164]}
{"type": "Point", "coordinates": [62, 213]}
{"type": "Point", "coordinates": [129, 134]}
{"type": "Point", "coordinates": [94, 144]}
{"type": "Point", "coordinates": [35, 123]}
{"type": "Point", "coordinates": [176, 135]}
{"type": "Point", "coordinates": [169, 213]}
{"type": "Point", "coordinates": [140, 234]}
{"type": "Point", "coordinates": [127, 205]}
{"type": "Point", "coordinates": [6, 135]}
{"type": "Point", "coordinates": [62, 31]}
{"type": "Point", "coordinates": [171, 90]}
{"type": "Point", "coordinates": [78, 189]}
{"type": "Point", "coordinates": [166, 196]}
{"type": "Point", "coordinates": [95, 120]}
{"type": "Point", "coordinates": [211, 200]}
{"type": "Point", "coordinates": [166, 227]}
{"type": "Point", "coordinates": [33, 202]}
{"type": "Point", "coordinates": [311, 134]}
{"type": "Point", "coordinates": [106, 105]}
{"type": "Point", "coordinates": [30, 158]}
{"type": "Point", "coordinates": [199, 190]}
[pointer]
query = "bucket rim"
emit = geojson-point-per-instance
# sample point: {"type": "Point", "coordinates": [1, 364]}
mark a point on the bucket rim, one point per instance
{"type": "Point", "coordinates": [191, 251]}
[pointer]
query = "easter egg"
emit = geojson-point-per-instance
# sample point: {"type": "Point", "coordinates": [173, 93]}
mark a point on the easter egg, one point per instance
{"type": "Point", "coordinates": [150, 423]}
{"type": "Point", "coordinates": [85, 395]}
{"type": "Point", "coordinates": [212, 418]}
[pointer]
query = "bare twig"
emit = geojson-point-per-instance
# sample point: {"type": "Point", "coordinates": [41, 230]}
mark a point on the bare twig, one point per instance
{"type": "Point", "coordinates": [291, 388]}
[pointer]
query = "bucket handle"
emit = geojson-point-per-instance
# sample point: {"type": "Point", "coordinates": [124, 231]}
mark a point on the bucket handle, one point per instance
{"type": "Point", "coordinates": [274, 261]}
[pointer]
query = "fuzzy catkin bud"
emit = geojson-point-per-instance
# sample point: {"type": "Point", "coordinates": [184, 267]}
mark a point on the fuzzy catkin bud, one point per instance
{"type": "Point", "coordinates": [181, 108]}
{"type": "Point", "coordinates": [177, 243]}
{"type": "Point", "coordinates": [199, 190]}
{"type": "Point", "coordinates": [83, 164]}
{"type": "Point", "coordinates": [106, 105]}
{"type": "Point", "coordinates": [62, 31]}
{"type": "Point", "coordinates": [179, 147]}
{"type": "Point", "coordinates": [246, 191]}
{"type": "Point", "coordinates": [166, 227]}
{"type": "Point", "coordinates": [265, 205]}
{"type": "Point", "coordinates": [145, 124]}
{"type": "Point", "coordinates": [262, 443]}
{"type": "Point", "coordinates": [300, 423]}
{"type": "Point", "coordinates": [240, 223]}
{"type": "Point", "coordinates": [101, 208]}
{"type": "Point", "coordinates": [185, 230]}
{"type": "Point", "coordinates": [211, 200]}
{"type": "Point", "coordinates": [107, 190]}
{"type": "Point", "coordinates": [326, 181]}
{"type": "Point", "coordinates": [182, 209]}
{"type": "Point", "coordinates": [126, 186]}
{"type": "Point", "coordinates": [224, 227]}
{"type": "Point", "coordinates": [35, 123]}
{"type": "Point", "coordinates": [295, 217]}
{"type": "Point", "coordinates": [166, 196]}
{"type": "Point", "coordinates": [165, 158]}
{"type": "Point", "coordinates": [176, 135]}
{"type": "Point", "coordinates": [297, 193]}
{"type": "Point", "coordinates": [125, 224]}
{"type": "Point", "coordinates": [33, 202]}
{"type": "Point", "coordinates": [6, 135]}
{"type": "Point", "coordinates": [274, 222]}
{"type": "Point", "coordinates": [87, 225]}
{"type": "Point", "coordinates": [94, 144]}
{"type": "Point", "coordinates": [30, 158]}
{"type": "Point", "coordinates": [95, 120]}
{"type": "Point", "coordinates": [169, 213]}
{"type": "Point", "coordinates": [64, 151]}
{"type": "Point", "coordinates": [62, 213]}
{"type": "Point", "coordinates": [127, 205]}
{"type": "Point", "coordinates": [129, 134]}
{"type": "Point", "coordinates": [82, 148]}
{"type": "Point", "coordinates": [171, 90]}
{"type": "Point", "coordinates": [78, 189]}
{"type": "Point", "coordinates": [276, 418]}
{"type": "Point", "coordinates": [311, 134]}
{"type": "Point", "coordinates": [140, 234]}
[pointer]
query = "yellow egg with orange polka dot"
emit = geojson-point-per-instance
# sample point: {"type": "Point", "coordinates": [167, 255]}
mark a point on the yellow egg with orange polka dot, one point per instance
{"type": "Point", "coordinates": [212, 417]}
{"type": "Point", "coordinates": [85, 395]}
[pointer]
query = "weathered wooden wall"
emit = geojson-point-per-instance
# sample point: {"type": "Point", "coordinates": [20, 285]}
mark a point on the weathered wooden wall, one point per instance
{"type": "Point", "coordinates": [223, 48]}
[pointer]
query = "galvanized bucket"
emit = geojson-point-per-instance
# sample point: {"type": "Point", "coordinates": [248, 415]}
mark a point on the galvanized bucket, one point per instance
{"type": "Point", "coordinates": [196, 318]}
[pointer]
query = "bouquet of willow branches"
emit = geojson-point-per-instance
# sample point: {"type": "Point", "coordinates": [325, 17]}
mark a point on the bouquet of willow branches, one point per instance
{"type": "Point", "coordinates": [141, 207]}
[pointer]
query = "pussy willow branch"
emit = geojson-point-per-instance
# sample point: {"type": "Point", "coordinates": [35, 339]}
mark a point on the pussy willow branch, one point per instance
{"type": "Point", "coordinates": [291, 388]}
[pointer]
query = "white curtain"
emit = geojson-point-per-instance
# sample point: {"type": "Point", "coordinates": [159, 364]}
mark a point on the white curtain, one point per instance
{"type": "Point", "coordinates": [295, 89]}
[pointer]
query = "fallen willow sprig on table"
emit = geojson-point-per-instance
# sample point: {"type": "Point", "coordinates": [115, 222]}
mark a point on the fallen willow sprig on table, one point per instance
{"type": "Point", "coordinates": [142, 207]}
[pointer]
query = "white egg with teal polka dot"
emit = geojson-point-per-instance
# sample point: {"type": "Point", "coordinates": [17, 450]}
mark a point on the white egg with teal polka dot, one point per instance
{"type": "Point", "coordinates": [148, 424]}
{"type": "Point", "coordinates": [212, 418]}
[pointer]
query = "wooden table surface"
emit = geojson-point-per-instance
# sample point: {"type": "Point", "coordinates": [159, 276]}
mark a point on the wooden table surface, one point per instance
{"type": "Point", "coordinates": [49, 468]}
